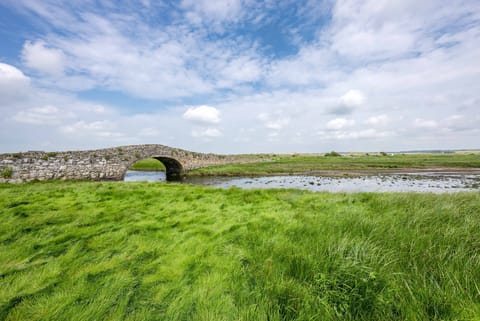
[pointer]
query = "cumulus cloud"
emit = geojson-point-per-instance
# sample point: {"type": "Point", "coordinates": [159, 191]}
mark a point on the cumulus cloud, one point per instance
{"type": "Point", "coordinates": [202, 115]}
{"type": "Point", "coordinates": [353, 98]}
{"type": "Point", "coordinates": [348, 102]}
{"type": "Point", "coordinates": [13, 84]}
{"type": "Point", "coordinates": [39, 57]}
{"type": "Point", "coordinates": [339, 123]}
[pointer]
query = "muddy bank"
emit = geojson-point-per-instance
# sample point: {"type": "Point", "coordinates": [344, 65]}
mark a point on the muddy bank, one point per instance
{"type": "Point", "coordinates": [355, 172]}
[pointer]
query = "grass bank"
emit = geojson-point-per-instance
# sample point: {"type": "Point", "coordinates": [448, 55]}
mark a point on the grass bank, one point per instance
{"type": "Point", "coordinates": [148, 251]}
{"type": "Point", "coordinates": [148, 164]}
{"type": "Point", "coordinates": [294, 164]}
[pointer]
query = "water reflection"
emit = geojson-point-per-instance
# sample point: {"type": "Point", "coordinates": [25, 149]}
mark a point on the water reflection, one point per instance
{"type": "Point", "coordinates": [426, 182]}
{"type": "Point", "coordinates": [136, 176]}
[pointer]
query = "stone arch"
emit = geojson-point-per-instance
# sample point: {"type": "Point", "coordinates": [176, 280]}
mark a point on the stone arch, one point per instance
{"type": "Point", "coordinates": [173, 168]}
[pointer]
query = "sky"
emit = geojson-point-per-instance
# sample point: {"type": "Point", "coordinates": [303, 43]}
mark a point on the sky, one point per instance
{"type": "Point", "coordinates": [240, 76]}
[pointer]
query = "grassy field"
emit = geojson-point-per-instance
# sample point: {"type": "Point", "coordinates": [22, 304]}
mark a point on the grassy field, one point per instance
{"type": "Point", "coordinates": [148, 164]}
{"type": "Point", "coordinates": [292, 164]}
{"type": "Point", "coordinates": [153, 251]}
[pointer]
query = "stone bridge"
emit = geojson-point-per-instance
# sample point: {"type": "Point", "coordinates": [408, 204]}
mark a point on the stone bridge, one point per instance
{"type": "Point", "coordinates": [102, 164]}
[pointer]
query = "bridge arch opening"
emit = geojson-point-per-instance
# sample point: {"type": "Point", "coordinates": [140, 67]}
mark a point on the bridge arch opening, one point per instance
{"type": "Point", "coordinates": [173, 168]}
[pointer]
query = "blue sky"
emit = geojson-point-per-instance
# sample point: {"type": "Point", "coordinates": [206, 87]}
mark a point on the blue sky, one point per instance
{"type": "Point", "coordinates": [238, 76]}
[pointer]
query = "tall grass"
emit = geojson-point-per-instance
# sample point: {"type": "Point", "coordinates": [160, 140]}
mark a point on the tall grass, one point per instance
{"type": "Point", "coordinates": [148, 251]}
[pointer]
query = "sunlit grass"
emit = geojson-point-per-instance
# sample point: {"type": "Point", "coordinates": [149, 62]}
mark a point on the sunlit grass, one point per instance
{"type": "Point", "coordinates": [149, 251]}
{"type": "Point", "coordinates": [148, 164]}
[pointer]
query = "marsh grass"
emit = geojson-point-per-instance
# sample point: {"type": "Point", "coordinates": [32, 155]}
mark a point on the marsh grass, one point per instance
{"type": "Point", "coordinates": [148, 164]}
{"type": "Point", "coordinates": [149, 251]}
{"type": "Point", "coordinates": [292, 164]}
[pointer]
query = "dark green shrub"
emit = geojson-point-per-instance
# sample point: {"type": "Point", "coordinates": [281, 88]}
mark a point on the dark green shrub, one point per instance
{"type": "Point", "coordinates": [137, 155]}
{"type": "Point", "coordinates": [51, 154]}
{"type": "Point", "coordinates": [332, 154]}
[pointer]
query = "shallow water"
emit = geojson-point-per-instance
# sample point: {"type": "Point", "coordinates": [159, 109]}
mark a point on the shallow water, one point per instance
{"type": "Point", "coordinates": [424, 182]}
{"type": "Point", "coordinates": [138, 176]}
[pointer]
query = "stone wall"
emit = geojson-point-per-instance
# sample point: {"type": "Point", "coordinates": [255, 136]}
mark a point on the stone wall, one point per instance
{"type": "Point", "coordinates": [100, 164]}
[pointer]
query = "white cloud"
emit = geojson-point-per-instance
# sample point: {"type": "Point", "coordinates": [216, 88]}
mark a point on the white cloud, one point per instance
{"type": "Point", "coordinates": [460, 123]}
{"type": "Point", "coordinates": [364, 134]}
{"type": "Point", "coordinates": [13, 84]}
{"type": "Point", "coordinates": [206, 132]}
{"type": "Point", "coordinates": [46, 115]}
{"type": "Point", "coordinates": [353, 98]}
{"type": "Point", "coordinates": [239, 70]}
{"type": "Point", "coordinates": [339, 123]}
{"type": "Point", "coordinates": [275, 121]}
{"type": "Point", "coordinates": [39, 57]}
{"type": "Point", "coordinates": [425, 124]}
{"type": "Point", "coordinates": [144, 61]}
{"type": "Point", "coordinates": [212, 11]}
{"type": "Point", "coordinates": [202, 115]}
{"type": "Point", "coordinates": [369, 60]}
{"type": "Point", "coordinates": [311, 66]}
{"type": "Point", "coordinates": [380, 120]}
{"type": "Point", "coordinates": [101, 128]}
{"type": "Point", "coordinates": [149, 132]}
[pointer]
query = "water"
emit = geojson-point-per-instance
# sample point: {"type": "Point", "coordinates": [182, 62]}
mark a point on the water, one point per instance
{"type": "Point", "coordinates": [137, 176]}
{"type": "Point", "coordinates": [424, 182]}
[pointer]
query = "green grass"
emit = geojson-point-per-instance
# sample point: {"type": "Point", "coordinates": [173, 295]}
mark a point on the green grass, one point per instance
{"type": "Point", "coordinates": [148, 164]}
{"type": "Point", "coordinates": [291, 164]}
{"type": "Point", "coordinates": [149, 251]}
